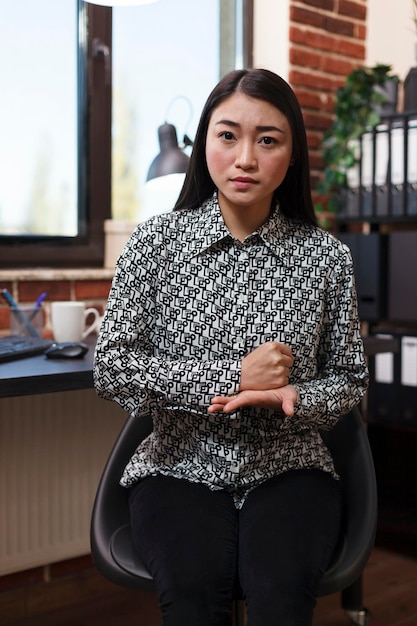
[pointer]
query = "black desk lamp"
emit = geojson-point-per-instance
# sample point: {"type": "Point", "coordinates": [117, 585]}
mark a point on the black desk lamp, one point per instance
{"type": "Point", "coordinates": [171, 159]}
{"type": "Point", "coordinates": [166, 173]}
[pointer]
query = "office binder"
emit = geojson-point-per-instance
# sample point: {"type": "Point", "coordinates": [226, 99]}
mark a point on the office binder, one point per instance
{"type": "Point", "coordinates": [369, 253]}
{"type": "Point", "coordinates": [392, 394]}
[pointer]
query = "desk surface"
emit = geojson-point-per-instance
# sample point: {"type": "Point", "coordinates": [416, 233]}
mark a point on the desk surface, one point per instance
{"type": "Point", "coordinates": [38, 374]}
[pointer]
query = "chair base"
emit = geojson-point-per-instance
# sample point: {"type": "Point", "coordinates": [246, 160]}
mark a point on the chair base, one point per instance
{"type": "Point", "coordinates": [359, 618]}
{"type": "Point", "coordinates": [238, 613]}
{"type": "Point", "coordinates": [356, 618]}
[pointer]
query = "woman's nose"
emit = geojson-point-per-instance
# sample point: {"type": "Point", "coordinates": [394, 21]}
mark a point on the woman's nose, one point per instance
{"type": "Point", "coordinates": [245, 157]}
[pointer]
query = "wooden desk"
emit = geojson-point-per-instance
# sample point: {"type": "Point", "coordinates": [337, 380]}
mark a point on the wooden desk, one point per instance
{"type": "Point", "coordinates": [38, 374]}
{"type": "Point", "coordinates": [53, 447]}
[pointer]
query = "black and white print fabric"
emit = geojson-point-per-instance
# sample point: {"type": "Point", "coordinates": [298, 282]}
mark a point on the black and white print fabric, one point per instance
{"type": "Point", "coordinates": [187, 303]}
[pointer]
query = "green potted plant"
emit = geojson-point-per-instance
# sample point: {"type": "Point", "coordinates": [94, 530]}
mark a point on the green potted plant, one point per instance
{"type": "Point", "coordinates": [359, 104]}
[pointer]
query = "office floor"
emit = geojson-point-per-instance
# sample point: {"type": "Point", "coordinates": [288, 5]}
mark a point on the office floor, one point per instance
{"type": "Point", "coordinates": [390, 584]}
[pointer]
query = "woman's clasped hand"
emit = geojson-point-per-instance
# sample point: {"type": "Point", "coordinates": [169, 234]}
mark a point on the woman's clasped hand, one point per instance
{"type": "Point", "coordinates": [264, 382]}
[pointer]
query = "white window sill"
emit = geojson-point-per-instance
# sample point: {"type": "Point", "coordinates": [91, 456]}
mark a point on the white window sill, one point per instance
{"type": "Point", "coordinates": [88, 273]}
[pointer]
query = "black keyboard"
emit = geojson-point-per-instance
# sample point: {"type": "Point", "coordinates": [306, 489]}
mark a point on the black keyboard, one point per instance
{"type": "Point", "coordinates": [18, 347]}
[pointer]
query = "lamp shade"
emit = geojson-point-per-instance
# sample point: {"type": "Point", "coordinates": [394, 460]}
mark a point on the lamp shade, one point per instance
{"type": "Point", "coordinates": [120, 3]}
{"type": "Point", "coordinates": [160, 195]}
{"type": "Point", "coordinates": [171, 159]}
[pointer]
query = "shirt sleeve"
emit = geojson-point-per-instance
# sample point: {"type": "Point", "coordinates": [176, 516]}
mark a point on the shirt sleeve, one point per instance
{"type": "Point", "coordinates": [342, 374]}
{"type": "Point", "coordinates": [126, 369]}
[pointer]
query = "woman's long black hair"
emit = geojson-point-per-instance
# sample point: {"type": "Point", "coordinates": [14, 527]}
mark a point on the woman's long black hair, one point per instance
{"type": "Point", "coordinates": [294, 193]}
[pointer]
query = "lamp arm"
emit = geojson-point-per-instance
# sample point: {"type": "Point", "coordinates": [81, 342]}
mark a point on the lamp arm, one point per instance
{"type": "Point", "coordinates": [190, 117]}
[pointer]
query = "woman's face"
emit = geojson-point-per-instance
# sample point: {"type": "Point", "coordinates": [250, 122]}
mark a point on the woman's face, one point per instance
{"type": "Point", "coordinates": [248, 152]}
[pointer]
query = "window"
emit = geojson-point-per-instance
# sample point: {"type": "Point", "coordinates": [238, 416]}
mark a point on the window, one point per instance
{"type": "Point", "coordinates": [55, 191]}
{"type": "Point", "coordinates": [36, 145]}
{"type": "Point", "coordinates": [52, 205]}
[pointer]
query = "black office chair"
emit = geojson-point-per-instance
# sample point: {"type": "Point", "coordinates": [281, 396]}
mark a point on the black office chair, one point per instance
{"type": "Point", "coordinates": [116, 559]}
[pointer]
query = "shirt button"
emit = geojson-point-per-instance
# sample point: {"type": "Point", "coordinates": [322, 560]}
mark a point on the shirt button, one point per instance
{"type": "Point", "coordinates": [239, 343]}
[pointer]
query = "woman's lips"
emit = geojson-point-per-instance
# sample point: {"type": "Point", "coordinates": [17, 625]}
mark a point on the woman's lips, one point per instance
{"type": "Point", "coordinates": [243, 182]}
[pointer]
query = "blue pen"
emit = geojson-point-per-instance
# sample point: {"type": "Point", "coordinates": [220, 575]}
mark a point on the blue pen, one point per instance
{"type": "Point", "coordinates": [13, 305]}
{"type": "Point", "coordinates": [37, 305]}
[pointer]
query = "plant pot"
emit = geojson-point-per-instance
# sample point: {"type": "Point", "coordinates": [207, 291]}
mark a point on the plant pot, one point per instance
{"type": "Point", "coordinates": [410, 90]}
{"type": "Point", "coordinates": [390, 92]}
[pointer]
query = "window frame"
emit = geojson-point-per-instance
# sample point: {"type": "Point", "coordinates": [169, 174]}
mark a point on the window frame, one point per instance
{"type": "Point", "coordinates": [247, 33]}
{"type": "Point", "coordinates": [94, 162]}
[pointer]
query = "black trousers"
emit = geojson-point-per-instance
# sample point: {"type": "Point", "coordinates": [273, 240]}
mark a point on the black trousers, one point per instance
{"type": "Point", "coordinates": [197, 545]}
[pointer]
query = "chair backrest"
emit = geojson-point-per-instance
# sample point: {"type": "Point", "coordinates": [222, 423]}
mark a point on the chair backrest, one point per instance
{"type": "Point", "coordinates": [352, 455]}
{"type": "Point", "coordinates": [110, 523]}
{"type": "Point", "coordinates": [116, 559]}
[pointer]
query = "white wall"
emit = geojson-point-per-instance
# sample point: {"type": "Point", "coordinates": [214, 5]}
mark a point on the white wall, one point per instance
{"type": "Point", "coordinates": [391, 35]}
{"type": "Point", "coordinates": [271, 47]}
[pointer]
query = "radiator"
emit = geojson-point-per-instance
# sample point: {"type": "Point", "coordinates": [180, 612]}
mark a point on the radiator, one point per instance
{"type": "Point", "coordinates": [53, 448]}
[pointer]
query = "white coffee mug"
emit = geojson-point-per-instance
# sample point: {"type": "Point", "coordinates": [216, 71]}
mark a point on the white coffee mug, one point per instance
{"type": "Point", "coordinates": [68, 320]}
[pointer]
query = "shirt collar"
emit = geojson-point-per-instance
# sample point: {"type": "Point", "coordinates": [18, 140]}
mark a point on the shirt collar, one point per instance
{"type": "Point", "coordinates": [209, 229]}
{"type": "Point", "coordinates": [276, 233]}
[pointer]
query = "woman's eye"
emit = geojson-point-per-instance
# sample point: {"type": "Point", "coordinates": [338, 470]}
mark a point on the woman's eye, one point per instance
{"type": "Point", "coordinates": [227, 135]}
{"type": "Point", "coordinates": [268, 141]}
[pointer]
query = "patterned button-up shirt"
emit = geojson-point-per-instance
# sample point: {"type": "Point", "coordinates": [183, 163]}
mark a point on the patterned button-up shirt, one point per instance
{"type": "Point", "coordinates": [187, 303]}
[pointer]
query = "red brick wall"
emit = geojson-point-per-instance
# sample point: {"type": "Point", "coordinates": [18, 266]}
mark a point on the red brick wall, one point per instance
{"type": "Point", "coordinates": [93, 291]}
{"type": "Point", "coordinates": [327, 41]}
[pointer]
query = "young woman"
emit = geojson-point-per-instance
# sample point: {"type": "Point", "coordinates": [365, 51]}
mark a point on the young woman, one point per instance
{"type": "Point", "coordinates": [233, 321]}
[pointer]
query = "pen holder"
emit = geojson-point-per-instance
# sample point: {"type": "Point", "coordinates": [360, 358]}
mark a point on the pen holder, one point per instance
{"type": "Point", "coordinates": [26, 320]}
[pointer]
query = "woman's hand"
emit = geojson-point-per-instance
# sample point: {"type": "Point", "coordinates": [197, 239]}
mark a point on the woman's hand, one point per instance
{"type": "Point", "coordinates": [281, 399]}
{"type": "Point", "coordinates": [266, 367]}
{"type": "Point", "coordinates": [263, 382]}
